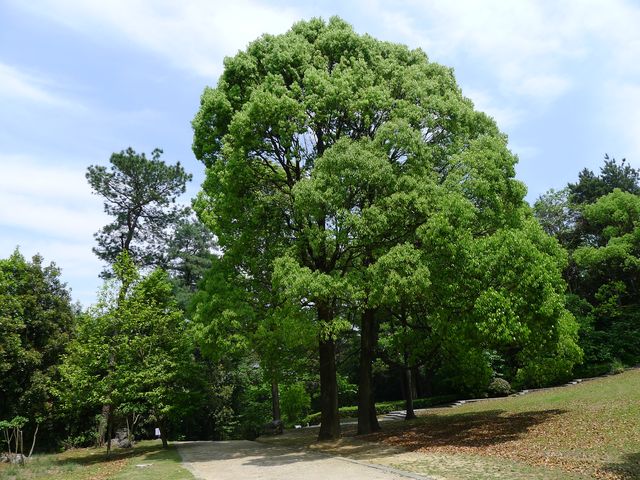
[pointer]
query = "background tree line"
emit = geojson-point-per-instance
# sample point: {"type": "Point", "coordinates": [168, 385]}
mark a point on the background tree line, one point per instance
{"type": "Point", "coordinates": [360, 237]}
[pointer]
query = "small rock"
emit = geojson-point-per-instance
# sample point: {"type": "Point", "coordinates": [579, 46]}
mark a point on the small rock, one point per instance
{"type": "Point", "coordinates": [17, 458]}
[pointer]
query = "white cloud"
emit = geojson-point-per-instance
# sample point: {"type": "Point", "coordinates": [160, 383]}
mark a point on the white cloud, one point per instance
{"type": "Point", "coordinates": [45, 198]}
{"type": "Point", "coordinates": [80, 267]}
{"type": "Point", "coordinates": [506, 116]}
{"type": "Point", "coordinates": [622, 114]}
{"type": "Point", "coordinates": [530, 46]}
{"type": "Point", "coordinates": [47, 207]}
{"type": "Point", "coordinates": [16, 84]}
{"type": "Point", "coordinates": [191, 34]}
{"type": "Point", "coordinates": [543, 87]}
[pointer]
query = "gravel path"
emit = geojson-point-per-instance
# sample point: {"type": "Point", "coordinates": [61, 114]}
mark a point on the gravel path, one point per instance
{"type": "Point", "coordinates": [240, 460]}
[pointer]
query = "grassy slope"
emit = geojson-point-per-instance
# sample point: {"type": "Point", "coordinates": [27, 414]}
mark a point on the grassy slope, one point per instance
{"type": "Point", "coordinates": [591, 429]}
{"type": "Point", "coordinates": [93, 464]}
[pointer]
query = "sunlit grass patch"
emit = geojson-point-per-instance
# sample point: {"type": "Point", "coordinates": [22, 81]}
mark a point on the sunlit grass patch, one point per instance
{"type": "Point", "coordinates": [590, 429]}
{"type": "Point", "coordinates": [93, 464]}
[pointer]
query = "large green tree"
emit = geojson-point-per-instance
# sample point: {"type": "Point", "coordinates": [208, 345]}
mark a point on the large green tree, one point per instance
{"type": "Point", "coordinates": [324, 150]}
{"type": "Point", "coordinates": [610, 270]}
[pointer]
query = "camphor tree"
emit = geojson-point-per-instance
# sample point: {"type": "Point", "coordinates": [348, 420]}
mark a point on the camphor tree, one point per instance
{"type": "Point", "coordinates": [343, 147]}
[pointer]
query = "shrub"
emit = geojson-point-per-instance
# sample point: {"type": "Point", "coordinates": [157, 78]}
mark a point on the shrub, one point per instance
{"type": "Point", "coordinates": [499, 387]}
{"type": "Point", "coordinates": [295, 401]}
{"type": "Point", "coordinates": [77, 441]}
{"type": "Point", "coordinates": [616, 367]}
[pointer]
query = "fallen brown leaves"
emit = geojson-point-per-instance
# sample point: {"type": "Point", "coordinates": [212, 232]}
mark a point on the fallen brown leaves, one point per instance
{"type": "Point", "coordinates": [108, 470]}
{"type": "Point", "coordinates": [573, 439]}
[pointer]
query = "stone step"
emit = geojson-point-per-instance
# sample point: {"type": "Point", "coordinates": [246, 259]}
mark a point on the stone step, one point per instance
{"type": "Point", "coordinates": [396, 415]}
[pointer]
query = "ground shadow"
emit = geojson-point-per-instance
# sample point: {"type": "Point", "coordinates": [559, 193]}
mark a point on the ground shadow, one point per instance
{"type": "Point", "coordinates": [479, 429]}
{"type": "Point", "coordinates": [627, 469]}
{"type": "Point", "coordinates": [349, 445]}
{"type": "Point", "coordinates": [462, 430]}
{"type": "Point", "coordinates": [253, 453]}
{"type": "Point", "coordinates": [95, 455]}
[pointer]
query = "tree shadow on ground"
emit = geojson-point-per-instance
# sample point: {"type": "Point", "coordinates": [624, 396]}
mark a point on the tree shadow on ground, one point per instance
{"type": "Point", "coordinates": [481, 429]}
{"type": "Point", "coordinates": [95, 455]}
{"type": "Point", "coordinates": [253, 453]}
{"type": "Point", "coordinates": [350, 445]}
{"type": "Point", "coordinates": [627, 469]}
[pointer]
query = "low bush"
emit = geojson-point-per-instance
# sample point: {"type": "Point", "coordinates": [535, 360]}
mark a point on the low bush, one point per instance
{"type": "Point", "coordinates": [499, 387]}
{"type": "Point", "coordinates": [616, 367]}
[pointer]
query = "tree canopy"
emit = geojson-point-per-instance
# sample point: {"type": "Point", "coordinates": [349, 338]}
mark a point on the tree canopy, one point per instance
{"type": "Point", "coordinates": [597, 219]}
{"type": "Point", "coordinates": [36, 323]}
{"type": "Point", "coordinates": [140, 194]}
{"type": "Point", "coordinates": [326, 151]}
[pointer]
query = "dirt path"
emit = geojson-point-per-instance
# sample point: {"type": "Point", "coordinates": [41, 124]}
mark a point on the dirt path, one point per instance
{"type": "Point", "coordinates": [240, 460]}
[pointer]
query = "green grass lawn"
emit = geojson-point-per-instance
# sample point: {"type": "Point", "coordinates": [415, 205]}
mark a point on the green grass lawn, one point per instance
{"type": "Point", "coordinates": [93, 464]}
{"type": "Point", "coordinates": [590, 430]}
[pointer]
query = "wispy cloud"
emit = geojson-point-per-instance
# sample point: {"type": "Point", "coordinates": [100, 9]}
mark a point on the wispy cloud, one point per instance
{"type": "Point", "coordinates": [622, 113]}
{"type": "Point", "coordinates": [47, 207]}
{"type": "Point", "coordinates": [79, 265]}
{"type": "Point", "coordinates": [530, 54]}
{"type": "Point", "coordinates": [19, 85]}
{"type": "Point", "coordinates": [505, 115]}
{"type": "Point", "coordinates": [47, 199]}
{"type": "Point", "coordinates": [191, 34]}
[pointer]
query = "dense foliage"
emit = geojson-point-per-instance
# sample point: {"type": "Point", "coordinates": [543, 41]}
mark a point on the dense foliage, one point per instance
{"type": "Point", "coordinates": [36, 320]}
{"type": "Point", "coordinates": [598, 220]}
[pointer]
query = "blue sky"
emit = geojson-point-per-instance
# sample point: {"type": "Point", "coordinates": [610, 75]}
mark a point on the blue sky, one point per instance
{"type": "Point", "coordinates": [80, 79]}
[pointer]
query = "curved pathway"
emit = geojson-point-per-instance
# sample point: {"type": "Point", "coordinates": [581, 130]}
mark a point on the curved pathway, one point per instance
{"type": "Point", "coordinates": [241, 459]}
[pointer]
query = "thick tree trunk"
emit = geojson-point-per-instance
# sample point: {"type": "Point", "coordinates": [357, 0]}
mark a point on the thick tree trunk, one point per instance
{"type": "Point", "coordinates": [163, 434]}
{"type": "Point", "coordinates": [408, 393]}
{"type": "Point", "coordinates": [275, 400]}
{"type": "Point", "coordinates": [329, 418]}
{"type": "Point", "coordinates": [367, 418]}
